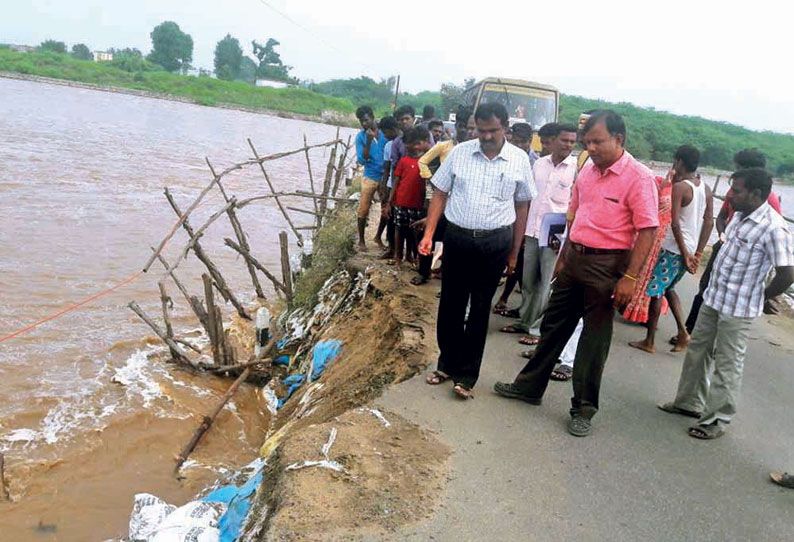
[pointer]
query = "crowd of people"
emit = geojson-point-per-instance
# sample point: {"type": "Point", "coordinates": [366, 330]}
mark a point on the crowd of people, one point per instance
{"type": "Point", "coordinates": [583, 238]}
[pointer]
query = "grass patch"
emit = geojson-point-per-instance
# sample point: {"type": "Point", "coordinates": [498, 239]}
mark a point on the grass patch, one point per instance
{"type": "Point", "coordinates": [202, 90]}
{"type": "Point", "coordinates": [333, 245]}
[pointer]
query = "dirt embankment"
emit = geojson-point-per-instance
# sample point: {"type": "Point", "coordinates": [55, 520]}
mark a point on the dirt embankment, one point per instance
{"type": "Point", "coordinates": [337, 468]}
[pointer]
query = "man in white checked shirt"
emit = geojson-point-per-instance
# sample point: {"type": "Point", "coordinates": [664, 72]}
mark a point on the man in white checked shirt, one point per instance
{"type": "Point", "coordinates": [483, 189]}
{"type": "Point", "coordinates": [757, 239]}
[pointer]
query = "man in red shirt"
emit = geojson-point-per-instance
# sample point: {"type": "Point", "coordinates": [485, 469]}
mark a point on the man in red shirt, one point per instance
{"type": "Point", "coordinates": [612, 220]}
{"type": "Point", "coordinates": [407, 199]}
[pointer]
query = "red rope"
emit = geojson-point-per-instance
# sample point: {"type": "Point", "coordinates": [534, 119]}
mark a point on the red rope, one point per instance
{"type": "Point", "coordinates": [70, 307]}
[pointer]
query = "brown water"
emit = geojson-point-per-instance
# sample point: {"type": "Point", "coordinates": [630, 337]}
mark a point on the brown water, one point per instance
{"type": "Point", "coordinates": [86, 418]}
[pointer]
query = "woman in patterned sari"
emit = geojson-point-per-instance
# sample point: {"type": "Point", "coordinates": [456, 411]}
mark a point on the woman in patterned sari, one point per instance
{"type": "Point", "coordinates": [637, 309]}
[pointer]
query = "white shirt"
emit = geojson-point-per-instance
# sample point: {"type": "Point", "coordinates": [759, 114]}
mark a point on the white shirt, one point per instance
{"type": "Point", "coordinates": [482, 192]}
{"type": "Point", "coordinates": [554, 184]}
{"type": "Point", "coordinates": [753, 244]}
{"type": "Point", "coordinates": [690, 220]}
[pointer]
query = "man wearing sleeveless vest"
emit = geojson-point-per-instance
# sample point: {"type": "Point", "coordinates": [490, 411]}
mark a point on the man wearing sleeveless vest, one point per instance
{"type": "Point", "coordinates": [682, 248]}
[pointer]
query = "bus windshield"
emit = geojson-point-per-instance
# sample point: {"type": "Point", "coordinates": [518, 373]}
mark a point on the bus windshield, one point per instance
{"type": "Point", "coordinates": [524, 104]}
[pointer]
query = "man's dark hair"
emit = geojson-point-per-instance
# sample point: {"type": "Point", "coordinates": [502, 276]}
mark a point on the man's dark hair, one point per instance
{"type": "Point", "coordinates": [565, 128]}
{"type": "Point", "coordinates": [403, 110]}
{"type": "Point", "coordinates": [755, 179]}
{"type": "Point", "coordinates": [613, 122]}
{"type": "Point", "coordinates": [492, 110]}
{"type": "Point", "coordinates": [428, 112]}
{"type": "Point", "coordinates": [462, 115]}
{"type": "Point", "coordinates": [435, 122]}
{"type": "Point", "coordinates": [364, 110]}
{"type": "Point", "coordinates": [522, 130]}
{"type": "Point", "coordinates": [416, 133]}
{"type": "Point", "coordinates": [689, 156]}
{"type": "Point", "coordinates": [388, 123]}
{"type": "Point", "coordinates": [749, 158]}
{"type": "Point", "coordinates": [549, 130]}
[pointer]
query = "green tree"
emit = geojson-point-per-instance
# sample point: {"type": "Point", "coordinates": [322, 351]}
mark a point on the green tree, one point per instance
{"type": "Point", "coordinates": [228, 58]}
{"type": "Point", "coordinates": [127, 51]}
{"type": "Point", "coordinates": [270, 64]}
{"type": "Point", "coordinates": [247, 70]}
{"type": "Point", "coordinates": [171, 48]}
{"type": "Point", "coordinates": [53, 46]}
{"type": "Point", "coordinates": [451, 95]}
{"type": "Point", "coordinates": [81, 51]}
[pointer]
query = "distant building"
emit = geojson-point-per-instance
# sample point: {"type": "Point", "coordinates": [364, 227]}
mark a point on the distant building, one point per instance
{"type": "Point", "coordinates": [272, 83]}
{"type": "Point", "coordinates": [102, 56]}
{"type": "Point", "coordinates": [22, 48]}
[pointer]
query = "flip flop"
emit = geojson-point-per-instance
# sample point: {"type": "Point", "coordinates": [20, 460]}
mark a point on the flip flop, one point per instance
{"type": "Point", "coordinates": [436, 377]}
{"type": "Point", "coordinates": [499, 307]}
{"type": "Point", "coordinates": [561, 373]}
{"type": "Point", "coordinates": [529, 340]}
{"type": "Point", "coordinates": [418, 280]}
{"type": "Point", "coordinates": [706, 432]}
{"type": "Point", "coordinates": [511, 329]}
{"type": "Point", "coordinates": [463, 391]}
{"type": "Point", "coordinates": [783, 479]}
{"type": "Point", "coordinates": [672, 409]}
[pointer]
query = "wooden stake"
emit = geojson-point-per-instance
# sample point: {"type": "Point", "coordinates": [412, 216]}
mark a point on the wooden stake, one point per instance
{"type": "Point", "coordinates": [169, 329]}
{"type": "Point", "coordinates": [180, 357]}
{"type": "Point", "coordinates": [286, 270]}
{"type": "Point", "coordinates": [298, 193]}
{"type": "Point", "coordinates": [340, 168]}
{"type": "Point", "coordinates": [3, 486]}
{"type": "Point", "coordinates": [255, 263]}
{"type": "Point", "coordinates": [309, 168]}
{"type": "Point", "coordinates": [206, 422]}
{"type": "Point", "coordinates": [278, 201]}
{"type": "Point", "coordinates": [202, 256]}
{"type": "Point", "coordinates": [193, 301]}
{"type": "Point", "coordinates": [215, 341]}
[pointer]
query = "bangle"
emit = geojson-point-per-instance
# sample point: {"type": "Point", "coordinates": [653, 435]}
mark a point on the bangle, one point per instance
{"type": "Point", "coordinates": [627, 276]}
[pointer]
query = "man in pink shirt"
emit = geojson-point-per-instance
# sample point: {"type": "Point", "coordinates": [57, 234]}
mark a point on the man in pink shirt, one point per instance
{"type": "Point", "coordinates": [613, 216]}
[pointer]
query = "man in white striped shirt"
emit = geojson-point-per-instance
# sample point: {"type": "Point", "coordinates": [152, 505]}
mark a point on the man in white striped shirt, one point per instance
{"type": "Point", "coordinates": [757, 239]}
{"type": "Point", "coordinates": [483, 189]}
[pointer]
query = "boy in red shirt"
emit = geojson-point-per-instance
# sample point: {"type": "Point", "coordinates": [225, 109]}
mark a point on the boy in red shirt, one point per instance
{"type": "Point", "coordinates": [407, 197]}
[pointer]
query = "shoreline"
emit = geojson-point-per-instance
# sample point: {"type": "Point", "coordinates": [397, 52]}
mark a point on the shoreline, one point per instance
{"type": "Point", "coordinates": [332, 118]}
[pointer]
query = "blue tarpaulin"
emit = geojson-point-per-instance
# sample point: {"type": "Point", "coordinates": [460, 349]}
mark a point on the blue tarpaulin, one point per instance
{"type": "Point", "coordinates": [238, 500]}
{"type": "Point", "coordinates": [324, 353]}
{"type": "Point", "coordinates": [294, 382]}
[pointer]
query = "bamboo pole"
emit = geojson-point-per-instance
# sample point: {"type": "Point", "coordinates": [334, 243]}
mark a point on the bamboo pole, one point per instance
{"type": "Point", "coordinates": [255, 263]}
{"type": "Point", "coordinates": [286, 270]}
{"type": "Point", "coordinates": [169, 329]}
{"type": "Point", "coordinates": [3, 486]}
{"type": "Point", "coordinates": [223, 173]}
{"type": "Point", "coordinates": [340, 168]}
{"type": "Point", "coordinates": [206, 422]}
{"type": "Point", "coordinates": [180, 356]}
{"type": "Point", "coordinates": [305, 211]}
{"type": "Point", "coordinates": [298, 193]}
{"type": "Point", "coordinates": [193, 301]}
{"type": "Point", "coordinates": [273, 191]}
{"type": "Point", "coordinates": [309, 168]}
{"type": "Point", "coordinates": [209, 298]}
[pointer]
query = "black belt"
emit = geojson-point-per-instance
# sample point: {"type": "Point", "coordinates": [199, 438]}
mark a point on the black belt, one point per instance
{"type": "Point", "coordinates": [581, 249]}
{"type": "Point", "coordinates": [477, 233]}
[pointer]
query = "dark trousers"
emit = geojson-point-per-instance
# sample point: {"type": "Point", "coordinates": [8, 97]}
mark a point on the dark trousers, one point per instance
{"type": "Point", "coordinates": [472, 268]}
{"type": "Point", "coordinates": [704, 283]}
{"type": "Point", "coordinates": [425, 262]}
{"type": "Point", "coordinates": [582, 290]}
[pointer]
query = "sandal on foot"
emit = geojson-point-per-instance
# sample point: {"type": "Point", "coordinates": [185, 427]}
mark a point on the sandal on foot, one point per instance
{"type": "Point", "coordinates": [463, 391]}
{"type": "Point", "coordinates": [512, 313]}
{"type": "Point", "coordinates": [529, 340]}
{"type": "Point", "coordinates": [783, 479]}
{"type": "Point", "coordinates": [511, 329]}
{"type": "Point", "coordinates": [579, 426]}
{"type": "Point", "coordinates": [561, 373]}
{"type": "Point", "coordinates": [499, 307]}
{"type": "Point", "coordinates": [529, 354]}
{"type": "Point", "coordinates": [436, 377]}
{"type": "Point", "coordinates": [672, 409]}
{"type": "Point", "coordinates": [706, 432]}
{"type": "Point", "coordinates": [419, 280]}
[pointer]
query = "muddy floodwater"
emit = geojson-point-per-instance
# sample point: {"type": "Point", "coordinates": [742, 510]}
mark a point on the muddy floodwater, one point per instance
{"type": "Point", "coordinates": [86, 419]}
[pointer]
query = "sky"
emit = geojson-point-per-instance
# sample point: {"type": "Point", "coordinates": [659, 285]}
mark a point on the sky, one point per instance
{"type": "Point", "coordinates": [695, 57]}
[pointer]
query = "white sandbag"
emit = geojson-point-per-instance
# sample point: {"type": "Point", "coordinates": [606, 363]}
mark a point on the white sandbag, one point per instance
{"type": "Point", "coordinates": [197, 521]}
{"type": "Point", "coordinates": [148, 512]}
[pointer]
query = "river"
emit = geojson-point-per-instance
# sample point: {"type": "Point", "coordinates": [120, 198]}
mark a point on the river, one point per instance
{"type": "Point", "coordinates": [86, 420]}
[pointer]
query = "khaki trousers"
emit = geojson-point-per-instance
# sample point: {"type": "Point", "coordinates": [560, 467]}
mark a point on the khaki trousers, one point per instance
{"type": "Point", "coordinates": [711, 376]}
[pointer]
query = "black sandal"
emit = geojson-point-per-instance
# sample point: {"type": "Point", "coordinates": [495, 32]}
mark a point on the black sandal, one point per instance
{"type": "Point", "coordinates": [562, 373]}
{"type": "Point", "coordinates": [419, 280]}
{"type": "Point", "coordinates": [463, 391]}
{"type": "Point", "coordinates": [436, 377]}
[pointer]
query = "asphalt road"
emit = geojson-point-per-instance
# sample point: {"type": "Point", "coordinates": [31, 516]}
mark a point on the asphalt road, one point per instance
{"type": "Point", "coordinates": [516, 474]}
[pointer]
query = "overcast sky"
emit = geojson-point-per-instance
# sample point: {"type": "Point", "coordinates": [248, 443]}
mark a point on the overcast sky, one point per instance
{"type": "Point", "coordinates": [694, 57]}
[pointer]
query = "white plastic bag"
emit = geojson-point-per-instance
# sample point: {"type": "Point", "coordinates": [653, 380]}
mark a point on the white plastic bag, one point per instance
{"type": "Point", "coordinates": [148, 512]}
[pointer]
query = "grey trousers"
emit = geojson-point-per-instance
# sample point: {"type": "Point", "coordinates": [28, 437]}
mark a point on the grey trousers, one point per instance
{"type": "Point", "coordinates": [535, 284]}
{"type": "Point", "coordinates": [711, 376]}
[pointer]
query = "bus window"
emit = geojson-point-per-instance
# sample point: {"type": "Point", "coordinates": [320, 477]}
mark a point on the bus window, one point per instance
{"type": "Point", "coordinates": [532, 105]}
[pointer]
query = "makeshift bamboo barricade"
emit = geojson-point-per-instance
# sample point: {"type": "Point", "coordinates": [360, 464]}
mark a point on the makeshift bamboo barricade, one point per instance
{"type": "Point", "coordinates": [207, 309]}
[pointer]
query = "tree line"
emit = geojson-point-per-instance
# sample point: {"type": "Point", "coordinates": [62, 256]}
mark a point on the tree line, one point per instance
{"type": "Point", "coordinates": [172, 51]}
